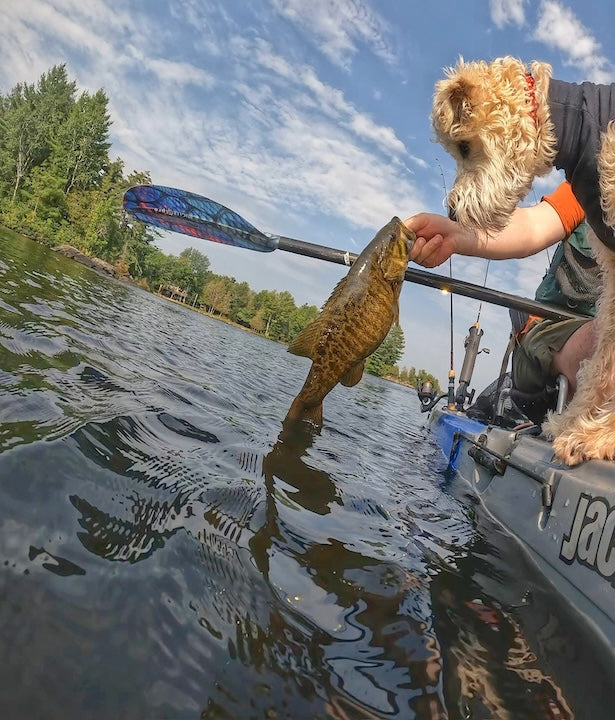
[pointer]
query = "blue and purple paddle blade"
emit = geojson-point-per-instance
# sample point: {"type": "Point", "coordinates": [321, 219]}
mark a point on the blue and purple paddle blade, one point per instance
{"type": "Point", "coordinates": [185, 212]}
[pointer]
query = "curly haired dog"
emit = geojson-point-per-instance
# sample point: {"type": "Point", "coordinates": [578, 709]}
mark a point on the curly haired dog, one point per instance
{"type": "Point", "coordinates": [506, 123]}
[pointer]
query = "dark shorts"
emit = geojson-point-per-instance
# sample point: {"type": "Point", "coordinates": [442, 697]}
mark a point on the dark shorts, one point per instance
{"type": "Point", "coordinates": [532, 358]}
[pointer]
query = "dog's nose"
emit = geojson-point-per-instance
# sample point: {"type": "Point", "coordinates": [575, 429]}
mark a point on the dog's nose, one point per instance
{"type": "Point", "coordinates": [452, 214]}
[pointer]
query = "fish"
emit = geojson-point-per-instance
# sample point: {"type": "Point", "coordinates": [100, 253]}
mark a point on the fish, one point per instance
{"type": "Point", "coordinates": [353, 322]}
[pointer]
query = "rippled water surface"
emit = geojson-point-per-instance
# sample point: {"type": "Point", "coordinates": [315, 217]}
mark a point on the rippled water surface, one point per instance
{"type": "Point", "coordinates": [164, 555]}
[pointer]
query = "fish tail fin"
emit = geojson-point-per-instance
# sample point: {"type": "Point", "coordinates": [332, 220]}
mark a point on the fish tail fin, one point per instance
{"type": "Point", "coordinates": [308, 413]}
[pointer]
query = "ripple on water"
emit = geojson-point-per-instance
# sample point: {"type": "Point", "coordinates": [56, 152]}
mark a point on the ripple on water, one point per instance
{"type": "Point", "coordinates": [175, 558]}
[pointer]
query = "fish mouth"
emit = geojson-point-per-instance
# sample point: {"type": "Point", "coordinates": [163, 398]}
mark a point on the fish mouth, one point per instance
{"type": "Point", "coordinates": [396, 253]}
{"type": "Point", "coordinates": [409, 238]}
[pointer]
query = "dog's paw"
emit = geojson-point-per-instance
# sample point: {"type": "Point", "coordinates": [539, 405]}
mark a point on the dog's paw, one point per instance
{"type": "Point", "coordinates": [568, 449]}
{"type": "Point", "coordinates": [575, 445]}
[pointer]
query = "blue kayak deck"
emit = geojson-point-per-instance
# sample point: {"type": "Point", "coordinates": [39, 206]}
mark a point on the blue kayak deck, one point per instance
{"type": "Point", "coordinates": [448, 424]}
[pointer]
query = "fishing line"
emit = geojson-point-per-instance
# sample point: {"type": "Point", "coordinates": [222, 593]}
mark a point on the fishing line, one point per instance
{"type": "Point", "coordinates": [546, 249]}
{"type": "Point", "coordinates": [480, 307]}
{"type": "Point", "coordinates": [451, 372]}
{"type": "Point", "coordinates": [450, 273]}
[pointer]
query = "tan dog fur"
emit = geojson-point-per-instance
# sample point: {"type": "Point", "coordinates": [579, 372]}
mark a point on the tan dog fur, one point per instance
{"type": "Point", "coordinates": [498, 129]}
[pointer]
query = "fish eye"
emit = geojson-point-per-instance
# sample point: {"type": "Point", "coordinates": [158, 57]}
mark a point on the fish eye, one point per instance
{"type": "Point", "coordinates": [464, 148]}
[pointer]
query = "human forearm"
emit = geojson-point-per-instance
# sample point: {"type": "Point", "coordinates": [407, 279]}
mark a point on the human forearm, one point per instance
{"type": "Point", "coordinates": [529, 231]}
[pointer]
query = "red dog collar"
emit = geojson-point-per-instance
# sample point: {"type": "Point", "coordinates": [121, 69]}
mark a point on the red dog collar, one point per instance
{"type": "Point", "coordinates": [531, 89]}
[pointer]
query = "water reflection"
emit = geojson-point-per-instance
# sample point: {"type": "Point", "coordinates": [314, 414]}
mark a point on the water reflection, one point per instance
{"type": "Point", "coordinates": [379, 659]}
{"type": "Point", "coordinates": [491, 657]}
{"type": "Point", "coordinates": [164, 555]}
{"type": "Point", "coordinates": [345, 624]}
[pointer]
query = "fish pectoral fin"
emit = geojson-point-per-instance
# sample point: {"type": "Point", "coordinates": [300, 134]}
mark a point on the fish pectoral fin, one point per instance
{"type": "Point", "coordinates": [305, 342]}
{"type": "Point", "coordinates": [353, 376]}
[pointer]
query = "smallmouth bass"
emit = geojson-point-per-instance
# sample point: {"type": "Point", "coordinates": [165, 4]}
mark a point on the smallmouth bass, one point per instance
{"type": "Point", "coordinates": [354, 321]}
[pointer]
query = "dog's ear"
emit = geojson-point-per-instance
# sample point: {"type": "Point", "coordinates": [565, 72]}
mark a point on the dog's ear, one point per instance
{"type": "Point", "coordinates": [459, 95]}
{"type": "Point", "coordinates": [452, 101]}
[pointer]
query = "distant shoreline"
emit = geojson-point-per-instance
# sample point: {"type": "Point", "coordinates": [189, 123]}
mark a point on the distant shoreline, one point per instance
{"type": "Point", "coordinates": [108, 270]}
{"type": "Point", "coordinates": [213, 316]}
{"type": "Point", "coordinates": [73, 253]}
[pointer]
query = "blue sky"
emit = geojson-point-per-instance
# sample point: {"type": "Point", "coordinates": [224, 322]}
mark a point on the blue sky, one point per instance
{"type": "Point", "coordinates": [308, 117]}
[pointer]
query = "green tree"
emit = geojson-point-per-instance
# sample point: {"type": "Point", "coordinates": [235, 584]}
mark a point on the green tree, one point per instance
{"type": "Point", "coordinates": [258, 322]}
{"type": "Point", "coordinates": [241, 297]}
{"type": "Point", "coordinates": [189, 271]}
{"type": "Point", "coordinates": [216, 296]}
{"type": "Point", "coordinates": [56, 180]}
{"type": "Point", "coordinates": [301, 318]}
{"type": "Point", "coordinates": [30, 117]}
{"type": "Point", "coordinates": [264, 305]}
{"type": "Point", "coordinates": [80, 143]}
{"type": "Point", "coordinates": [283, 308]}
{"type": "Point", "coordinates": [103, 238]}
{"type": "Point", "coordinates": [156, 267]}
{"type": "Point", "coordinates": [388, 354]}
{"type": "Point", "coordinates": [199, 266]}
{"type": "Point", "coordinates": [22, 137]}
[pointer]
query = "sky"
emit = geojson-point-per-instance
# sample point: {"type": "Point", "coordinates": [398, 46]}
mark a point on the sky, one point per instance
{"type": "Point", "coordinates": [311, 119]}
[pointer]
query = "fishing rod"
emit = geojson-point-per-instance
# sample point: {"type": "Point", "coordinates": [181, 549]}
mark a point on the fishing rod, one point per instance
{"type": "Point", "coordinates": [197, 216]}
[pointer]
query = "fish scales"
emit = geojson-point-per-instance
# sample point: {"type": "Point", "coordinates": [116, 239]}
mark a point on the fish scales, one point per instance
{"type": "Point", "coordinates": [354, 321]}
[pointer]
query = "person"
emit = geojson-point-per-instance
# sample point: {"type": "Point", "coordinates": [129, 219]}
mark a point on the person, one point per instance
{"type": "Point", "coordinates": [544, 348]}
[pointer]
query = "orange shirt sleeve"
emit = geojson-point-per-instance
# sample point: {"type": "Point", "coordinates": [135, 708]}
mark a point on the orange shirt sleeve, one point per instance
{"type": "Point", "coordinates": [566, 206]}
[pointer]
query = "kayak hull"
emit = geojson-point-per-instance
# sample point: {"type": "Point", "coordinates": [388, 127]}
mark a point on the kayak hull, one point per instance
{"type": "Point", "coordinates": [563, 516]}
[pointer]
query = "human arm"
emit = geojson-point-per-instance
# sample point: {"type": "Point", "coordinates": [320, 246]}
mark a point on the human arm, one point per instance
{"type": "Point", "coordinates": [530, 230]}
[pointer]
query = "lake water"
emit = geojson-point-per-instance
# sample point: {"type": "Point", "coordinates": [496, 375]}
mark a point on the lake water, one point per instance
{"type": "Point", "coordinates": [164, 555]}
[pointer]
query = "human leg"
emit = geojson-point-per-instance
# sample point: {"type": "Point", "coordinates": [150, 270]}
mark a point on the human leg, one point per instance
{"type": "Point", "coordinates": [567, 360]}
{"type": "Point", "coordinates": [534, 371]}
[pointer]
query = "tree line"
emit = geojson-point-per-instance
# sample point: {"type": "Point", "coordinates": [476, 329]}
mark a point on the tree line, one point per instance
{"type": "Point", "coordinates": [413, 377]}
{"type": "Point", "coordinates": [58, 185]}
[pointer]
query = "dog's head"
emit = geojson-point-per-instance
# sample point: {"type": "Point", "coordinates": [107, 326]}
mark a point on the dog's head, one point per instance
{"type": "Point", "coordinates": [494, 120]}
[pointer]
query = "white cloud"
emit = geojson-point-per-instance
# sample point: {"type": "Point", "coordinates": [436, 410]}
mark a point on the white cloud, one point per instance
{"type": "Point", "coordinates": [62, 23]}
{"type": "Point", "coordinates": [337, 26]}
{"type": "Point", "coordinates": [317, 94]}
{"type": "Point", "coordinates": [505, 12]}
{"type": "Point", "coordinates": [181, 73]}
{"type": "Point", "coordinates": [559, 28]}
{"type": "Point", "coordinates": [279, 135]}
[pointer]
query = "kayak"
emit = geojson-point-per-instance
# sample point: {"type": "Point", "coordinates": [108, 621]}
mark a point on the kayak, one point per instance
{"type": "Point", "coordinates": [563, 516]}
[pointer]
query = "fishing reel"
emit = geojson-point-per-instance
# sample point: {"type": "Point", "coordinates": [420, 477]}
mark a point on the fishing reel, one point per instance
{"type": "Point", "coordinates": [427, 396]}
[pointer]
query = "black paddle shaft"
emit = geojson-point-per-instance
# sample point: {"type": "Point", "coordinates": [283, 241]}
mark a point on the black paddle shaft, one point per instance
{"type": "Point", "coordinates": [440, 282]}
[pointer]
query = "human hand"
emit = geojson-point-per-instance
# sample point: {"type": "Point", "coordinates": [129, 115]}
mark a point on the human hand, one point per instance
{"type": "Point", "coordinates": [436, 238]}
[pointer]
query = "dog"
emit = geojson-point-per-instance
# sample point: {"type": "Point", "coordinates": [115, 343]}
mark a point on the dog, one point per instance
{"type": "Point", "coordinates": [505, 124]}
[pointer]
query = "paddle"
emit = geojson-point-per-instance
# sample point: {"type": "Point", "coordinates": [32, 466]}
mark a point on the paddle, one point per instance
{"type": "Point", "coordinates": [198, 216]}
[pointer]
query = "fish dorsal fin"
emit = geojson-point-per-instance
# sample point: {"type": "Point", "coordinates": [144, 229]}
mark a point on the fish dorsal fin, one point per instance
{"type": "Point", "coordinates": [336, 292]}
{"type": "Point", "coordinates": [305, 342]}
{"type": "Point", "coordinates": [353, 376]}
